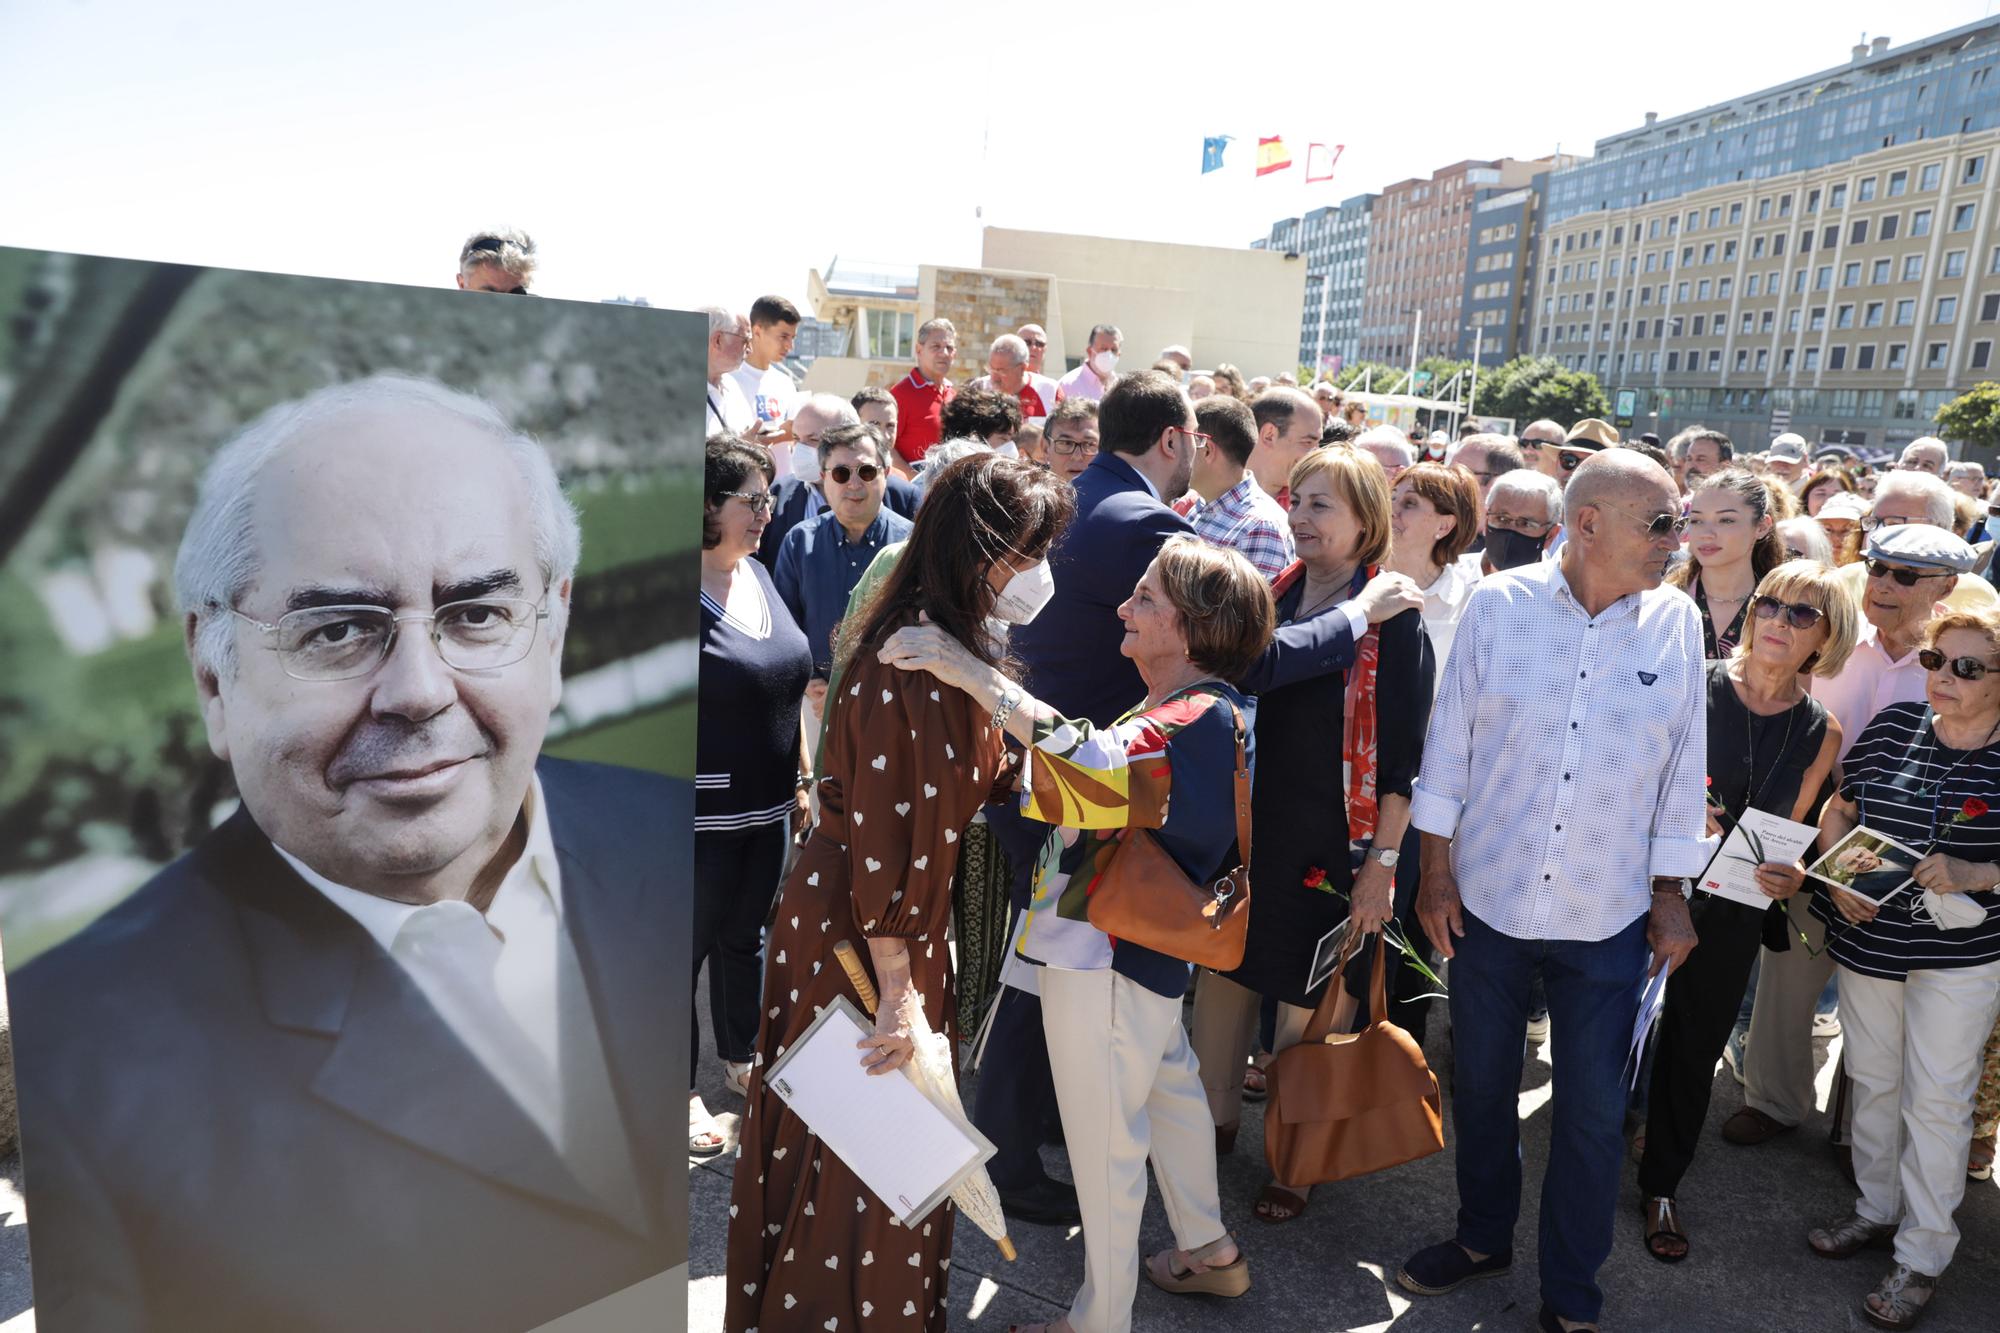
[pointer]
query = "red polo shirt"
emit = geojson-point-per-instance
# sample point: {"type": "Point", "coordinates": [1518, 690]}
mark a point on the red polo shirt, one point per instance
{"type": "Point", "coordinates": [919, 413]}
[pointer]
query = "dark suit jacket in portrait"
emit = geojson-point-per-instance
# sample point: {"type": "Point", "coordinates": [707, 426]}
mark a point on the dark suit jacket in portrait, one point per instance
{"type": "Point", "coordinates": [238, 1112]}
{"type": "Point", "coordinates": [1070, 651]}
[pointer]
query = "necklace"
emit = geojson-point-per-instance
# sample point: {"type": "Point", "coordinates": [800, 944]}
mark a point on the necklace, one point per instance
{"type": "Point", "coordinates": [1307, 608]}
{"type": "Point", "coordinates": [1755, 802]}
{"type": "Point", "coordinates": [1937, 788]}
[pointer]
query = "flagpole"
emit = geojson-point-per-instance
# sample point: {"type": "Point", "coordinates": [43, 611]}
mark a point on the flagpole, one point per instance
{"type": "Point", "coordinates": [1478, 334]}
{"type": "Point", "coordinates": [1319, 344]}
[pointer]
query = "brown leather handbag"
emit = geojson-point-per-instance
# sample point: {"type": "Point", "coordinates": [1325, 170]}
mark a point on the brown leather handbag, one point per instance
{"type": "Point", "coordinates": [1344, 1105]}
{"type": "Point", "coordinates": [1145, 897]}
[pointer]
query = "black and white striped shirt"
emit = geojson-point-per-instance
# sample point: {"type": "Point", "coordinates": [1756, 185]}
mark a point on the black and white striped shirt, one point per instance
{"type": "Point", "coordinates": [747, 738]}
{"type": "Point", "coordinates": [1910, 786]}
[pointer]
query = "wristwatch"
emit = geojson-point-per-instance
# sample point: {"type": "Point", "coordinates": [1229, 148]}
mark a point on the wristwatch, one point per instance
{"type": "Point", "coordinates": [1386, 857]}
{"type": "Point", "coordinates": [1005, 708]}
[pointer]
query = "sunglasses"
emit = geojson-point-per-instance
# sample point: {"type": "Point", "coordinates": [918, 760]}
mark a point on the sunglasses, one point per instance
{"type": "Point", "coordinates": [1571, 460]}
{"type": "Point", "coordinates": [1907, 577]}
{"type": "Point", "coordinates": [840, 472]}
{"type": "Point", "coordinates": [1657, 525]}
{"type": "Point", "coordinates": [1797, 614]}
{"type": "Point", "coordinates": [1965, 668]}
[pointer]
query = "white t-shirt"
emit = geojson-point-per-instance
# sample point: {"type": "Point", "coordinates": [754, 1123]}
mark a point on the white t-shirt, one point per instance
{"type": "Point", "coordinates": [771, 393]}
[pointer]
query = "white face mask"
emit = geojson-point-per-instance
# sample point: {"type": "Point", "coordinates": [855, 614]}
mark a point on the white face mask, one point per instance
{"type": "Point", "coordinates": [805, 462]}
{"type": "Point", "coordinates": [1104, 363]}
{"type": "Point", "coordinates": [1025, 594]}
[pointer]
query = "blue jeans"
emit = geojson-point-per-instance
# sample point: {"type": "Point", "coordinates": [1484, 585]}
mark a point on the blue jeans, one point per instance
{"type": "Point", "coordinates": [1593, 995]}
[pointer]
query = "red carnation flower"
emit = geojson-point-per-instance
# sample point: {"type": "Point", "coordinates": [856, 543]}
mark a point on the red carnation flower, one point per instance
{"type": "Point", "coordinates": [1974, 808]}
{"type": "Point", "coordinates": [1315, 877]}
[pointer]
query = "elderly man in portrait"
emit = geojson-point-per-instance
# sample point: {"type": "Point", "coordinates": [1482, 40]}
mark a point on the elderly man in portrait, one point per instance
{"type": "Point", "coordinates": [1925, 454]}
{"type": "Point", "coordinates": [389, 1048]}
{"type": "Point", "coordinates": [1561, 809]}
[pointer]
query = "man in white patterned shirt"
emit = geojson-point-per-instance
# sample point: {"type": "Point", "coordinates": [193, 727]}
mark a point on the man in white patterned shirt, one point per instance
{"type": "Point", "coordinates": [1225, 504]}
{"type": "Point", "coordinates": [1561, 806]}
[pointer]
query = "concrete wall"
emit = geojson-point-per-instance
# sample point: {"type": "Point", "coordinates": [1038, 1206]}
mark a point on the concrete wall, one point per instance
{"type": "Point", "coordinates": [1239, 306]}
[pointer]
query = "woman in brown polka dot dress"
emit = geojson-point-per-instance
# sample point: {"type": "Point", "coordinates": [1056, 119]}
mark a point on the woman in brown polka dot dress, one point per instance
{"type": "Point", "coordinates": [908, 763]}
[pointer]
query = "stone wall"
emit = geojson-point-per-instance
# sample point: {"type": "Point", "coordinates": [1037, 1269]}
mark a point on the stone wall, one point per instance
{"type": "Point", "coordinates": [982, 305]}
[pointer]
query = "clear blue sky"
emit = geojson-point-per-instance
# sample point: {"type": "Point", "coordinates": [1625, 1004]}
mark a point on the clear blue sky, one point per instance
{"type": "Point", "coordinates": [698, 154]}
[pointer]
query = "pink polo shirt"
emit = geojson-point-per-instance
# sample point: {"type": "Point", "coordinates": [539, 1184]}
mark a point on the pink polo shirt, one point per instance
{"type": "Point", "coordinates": [1867, 684]}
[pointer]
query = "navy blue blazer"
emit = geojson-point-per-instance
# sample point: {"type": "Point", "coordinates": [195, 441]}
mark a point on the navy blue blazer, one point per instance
{"type": "Point", "coordinates": [238, 1113]}
{"type": "Point", "coordinates": [795, 501]}
{"type": "Point", "coordinates": [1070, 651]}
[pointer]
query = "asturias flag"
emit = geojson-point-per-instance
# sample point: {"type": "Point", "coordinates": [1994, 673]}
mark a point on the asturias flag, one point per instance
{"type": "Point", "coordinates": [1211, 152]}
{"type": "Point", "coordinates": [1272, 155]}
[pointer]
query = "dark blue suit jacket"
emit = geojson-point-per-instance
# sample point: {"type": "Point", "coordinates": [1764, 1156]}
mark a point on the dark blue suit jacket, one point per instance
{"type": "Point", "coordinates": [238, 1113]}
{"type": "Point", "coordinates": [1070, 651]}
{"type": "Point", "coordinates": [795, 501]}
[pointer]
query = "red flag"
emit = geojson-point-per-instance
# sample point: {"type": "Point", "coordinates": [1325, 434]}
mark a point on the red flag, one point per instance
{"type": "Point", "coordinates": [1320, 160]}
{"type": "Point", "coordinates": [1272, 155]}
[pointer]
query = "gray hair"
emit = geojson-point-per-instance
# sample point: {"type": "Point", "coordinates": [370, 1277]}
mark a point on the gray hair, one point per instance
{"type": "Point", "coordinates": [1939, 508]}
{"type": "Point", "coordinates": [942, 455]}
{"type": "Point", "coordinates": [1806, 536]}
{"type": "Point", "coordinates": [1380, 436]}
{"type": "Point", "coordinates": [218, 559]}
{"type": "Point", "coordinates": [930, 326]}
{"type": "Point", "coordinates": [509, 247]}
{"type": "Point", "coordinates": [1105, 330]}
{"type": "Point", "coordinates": [1526, 482]}
{"type": "Point", "coordinates": [721, 319]}
{"type": "Point", "coordinates": [1927, 444]}
{"type": "Point", "coordinates": [1012, 348]}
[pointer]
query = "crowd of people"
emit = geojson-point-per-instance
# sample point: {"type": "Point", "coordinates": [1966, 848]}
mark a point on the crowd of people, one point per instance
{"type": "Point", "coordinates": [1501, 696]}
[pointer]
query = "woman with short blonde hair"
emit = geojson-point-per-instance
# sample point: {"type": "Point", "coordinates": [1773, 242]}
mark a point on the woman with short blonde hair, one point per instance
{"type": "Point", "coordinates": [1771, 747]}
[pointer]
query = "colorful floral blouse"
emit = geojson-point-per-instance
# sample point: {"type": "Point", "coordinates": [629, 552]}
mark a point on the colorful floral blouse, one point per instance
{"type": "Point", "coordinates": [1170, 769]}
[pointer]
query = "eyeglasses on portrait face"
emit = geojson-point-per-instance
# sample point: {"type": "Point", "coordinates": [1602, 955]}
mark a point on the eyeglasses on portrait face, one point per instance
{"type": "Point", "coordinates": [1906, 577]}
{"type": "Point", "coordinates": [1798, 615]}
{"type": "Point", "coordinates": [759, 501]}
{"type": "Point", "coordinates": [1527, 527]}
{"type": "Point", "coordinates": [1965, 668]}
{"type": "Point", "coordinates": [325, 643]}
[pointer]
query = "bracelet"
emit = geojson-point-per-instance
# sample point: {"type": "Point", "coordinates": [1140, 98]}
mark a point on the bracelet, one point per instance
{"type": "Point", "coordinates": [1005, 709]}
{"type": "Point", "coordinates": [804, 783]}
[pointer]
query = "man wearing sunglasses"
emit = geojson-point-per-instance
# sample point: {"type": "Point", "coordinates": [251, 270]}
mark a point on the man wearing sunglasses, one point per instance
{"type": "Point", "coordinates": [411, 992]}
{"type": "Point", "coordinates": [1561, 810]}
{"type": "Point", "coordinates": [1037, 340]}
{"type": "Point", "coordinates": [497, 261]}
{"type": "Point", "coordinates": [803, 495]}
{"type": "Point", "coordinates": [1908, 571]}
{"type": "Point", "coordinates": [1539, 442]}
{"type": "Point", "coordinates": [823, 558]}
{"type": "Point", "coordinates": [1913, 496]}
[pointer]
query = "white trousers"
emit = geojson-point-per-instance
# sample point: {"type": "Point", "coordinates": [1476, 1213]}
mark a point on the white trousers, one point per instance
{"type": "Point", "coordinates": [1914, 1050]}
{"type": "Point", "coordinates": [1128, 1087]}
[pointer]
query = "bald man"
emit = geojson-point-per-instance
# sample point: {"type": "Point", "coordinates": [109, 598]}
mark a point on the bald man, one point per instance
{"type": "Point", "coordinates": [1542, 443]}
{"type": "Point", "coordinates": [1037, 340]}
{"type": "Point", "coordinates": [1288, 426]}
{"type": "Point", "coordinates": [1560, 805]}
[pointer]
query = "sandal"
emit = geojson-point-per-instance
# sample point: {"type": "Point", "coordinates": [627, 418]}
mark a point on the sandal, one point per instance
{"type": "Point", "coordinates": [1663, 1223]}
{"type": "Point", "coordinates": [1849, 1236]}
{"type": "Point", "coordinates": [1277, 1204]}
{"type": "Point", "coordinates": [737, 1076]}
{"type": "Point", "coordinates": [1256, 1087]}
{"type": "Point", "coordinates": [704, 1136]}
{"type": "Point", "coordinates": [1199, 1278]}
{"type": "Point", "coordinates": [1979, 1158]}
{"type": "Point", "coordinates": [1899, 1300]}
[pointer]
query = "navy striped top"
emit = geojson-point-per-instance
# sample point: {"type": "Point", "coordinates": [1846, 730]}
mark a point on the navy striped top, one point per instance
{"type": "Point", "coordinates": [1910, 786]}
{"type": "Point", "coordinates": [753, 677]}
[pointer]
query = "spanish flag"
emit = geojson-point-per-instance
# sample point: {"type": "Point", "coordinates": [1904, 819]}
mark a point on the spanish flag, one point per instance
{"type": "Point", "coordinates": [1272, 155]}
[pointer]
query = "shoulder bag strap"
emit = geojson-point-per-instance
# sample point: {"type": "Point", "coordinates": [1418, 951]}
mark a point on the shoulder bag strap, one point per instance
{"type": "Point", "coordinates": [1242, 793]}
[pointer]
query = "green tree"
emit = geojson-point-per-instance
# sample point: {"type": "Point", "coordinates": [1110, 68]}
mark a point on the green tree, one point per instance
{"type": "Point", "coordinates": [1529, 388]}
{"type": "Point", "coordinates": [1973, 418]}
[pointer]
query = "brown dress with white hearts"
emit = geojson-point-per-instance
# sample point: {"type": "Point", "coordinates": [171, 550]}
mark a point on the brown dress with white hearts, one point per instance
{"type": "Point", "coordinates": [909, 762]}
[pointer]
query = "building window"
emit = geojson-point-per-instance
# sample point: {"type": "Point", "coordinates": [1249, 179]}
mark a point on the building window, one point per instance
{"type": "Point", "coordinates": [1736, 210]}
{"type": "Point", "coordinates": [1920, 223]}
{"type": "Point", "coordinates": [1899, 356]}
{"type": "Point", "coordinates": [1961, 217]}
{"type": "Point", "coordinates": [1934, 356]}
{"type": "Point", "coordinates": [1906, 405]}
{"type": "Point", "coordinates": [1749, 322]}
{"type": "Point", "coordinates": [1763, 209]}
{"type": "Point", "coordinates": [1799, 281]}
{"type": "Point", "coordinates": [1843, 318]}
{"type": "Point", "coordinates": [1701, 290]}
{"type": "Point", "coordinates": [1750, 284]}
{"type": "Point", "coordinates": [1708, 253]}
{"type": "Point", "coordinates": [1913, 268]}
{"type": "Point", "coordinates": [1989, 307]}
{"type": "Point", "coordinates": [1674, 360]}
{"type": "Point", "coordinates": [1792, 321]}
{"type": "Point", "coordinates": [1757, 247]}
{"type": "Point", "coordinates": [1812, 201]}
{"type": "Point", "coordinates": [1812, 358]}
{"type": "Point", "coordinates": [1850, 274]}
{"type": "Point", "coordinates": [1715, 358]}
{"type": "Point", "coordinates": [1837, 198]}
{"type": "Point", "coordinates": [1829, 238]}
{"type": "Point", "coordinates": [1700, 325]}
{"type": "Point", "coordinates": [891, 334]}
{"type": "Point", "coordinates": [1945, 310]}
{"type": "Point", "coordinates": [1892, 223]}
{"type": "Point", "coordinates": [1729, 252]}
{"type": "Point", "coordinates": [1766, 321]}
{"type": "Point", "coordinates": [1836, 358]}
{"type": "Point", "coordinates": [1864, 357]}
{"type": "Point", "coordinates": [1975, 171]}
{"type": "Point", "coordinates": [1906, 311]}
{"type": "Point", "coordinates": [1879, 271]}
{"type": "Point", "coordinates": [1933, 174]}
{"type": "Point", "coordinates": [1778, 245]}
{"type": "Point", "coordinates": [1742, 359]}
{"type": "Point", "coordinates": [1864, 191]}
{"type": "Point", "coordinates": [1823, 278]}
{"type": "Point", "coordinates": [1857, 232]}
{"type": "Point", "coordinates": [1982, 355]}
{"type": "Point", "coordinates": [1871, 315]}
{"type": "Point", "coordinates": [1818, 319]}
{"type": "Point", "coordinates": [1899, 182]}
{"type": "Point", "coordinates": [1954, 263]}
